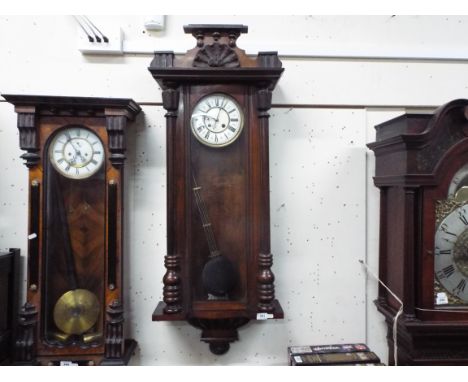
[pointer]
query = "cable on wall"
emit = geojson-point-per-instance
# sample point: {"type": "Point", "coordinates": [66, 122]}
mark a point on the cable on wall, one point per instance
{"type": "Point", "coordinates": [90, 29]}
{"type": "Point", "coordinates": [397, 316]}
{"type": "Point", "coordinates": [90, 38]}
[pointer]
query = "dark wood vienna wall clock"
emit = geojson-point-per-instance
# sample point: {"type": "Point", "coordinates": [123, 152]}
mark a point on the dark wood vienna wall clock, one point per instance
{"type": "Point", "coordinates": [422, 173]}
{"type": "Point", "coordinates": [75, 155]}
{"type": "Point", "coordinates": [218, 225]}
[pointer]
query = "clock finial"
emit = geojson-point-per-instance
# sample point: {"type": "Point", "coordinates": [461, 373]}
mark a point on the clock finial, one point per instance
{"type": "Point", "coordinates": [219, 33]}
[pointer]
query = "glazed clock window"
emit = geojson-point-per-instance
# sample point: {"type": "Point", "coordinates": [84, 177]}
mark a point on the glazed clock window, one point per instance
{"type": "Point", "coordinates": [217, 120]}
{"type": "Point", "coordinates": [76, 152]}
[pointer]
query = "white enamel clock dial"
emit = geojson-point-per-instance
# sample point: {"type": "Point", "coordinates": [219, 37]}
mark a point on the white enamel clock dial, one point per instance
{"type": "Point", "coordinates": [217, 120]}
{"type": "Point", "coordinates": [76, 152]}
{"type": "Point", "coordinates": [451, 253]}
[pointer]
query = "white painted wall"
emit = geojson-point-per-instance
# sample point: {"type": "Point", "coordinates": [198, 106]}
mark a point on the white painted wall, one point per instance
{"type": "Point", "coordinates": [343, 75]}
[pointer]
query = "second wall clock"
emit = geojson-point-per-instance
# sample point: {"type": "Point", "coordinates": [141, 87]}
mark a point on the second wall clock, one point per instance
{"type": "Point", "coordinates": [75, 152]}
{"type": "Point", "coordinates": [219, 261]}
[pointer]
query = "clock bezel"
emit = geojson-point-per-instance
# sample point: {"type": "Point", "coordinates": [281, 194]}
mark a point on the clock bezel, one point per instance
{"type": "Point", "coordinates": [50, 148]}
{"type": "Point", "coordinates": [241, 120]}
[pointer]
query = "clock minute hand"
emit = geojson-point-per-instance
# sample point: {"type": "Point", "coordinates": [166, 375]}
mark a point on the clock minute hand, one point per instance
{"type": "Point", "coordinates": [206, 115]}
{"type": "Point", "coordinates": [219, 112]}
{"type": "Point", "coordinates": [77, 151]}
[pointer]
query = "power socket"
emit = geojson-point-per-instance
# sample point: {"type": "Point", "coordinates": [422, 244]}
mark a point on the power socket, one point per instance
{"type": "Point", "coordinates": [154, 23]}
{"type": "Point", "coordinates": [114, 46]}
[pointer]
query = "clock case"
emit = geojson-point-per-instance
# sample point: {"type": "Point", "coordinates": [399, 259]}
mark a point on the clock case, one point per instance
{"type": "Point", "coordinates": [240, 212]}
{"type": "Point", "coordinates": [416, 158]}
{"type": "Point", "coordinates": [9, 297]}
{"type": "Point", "coordinates": [91, 210]}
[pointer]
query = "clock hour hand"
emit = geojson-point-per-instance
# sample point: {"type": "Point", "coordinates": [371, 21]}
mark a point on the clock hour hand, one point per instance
{"type": "Point", "coordinates": [200, 114]}
{"type": "Point", "coordinates": [211, 120]}
{"type": "Point", "coordinates": [72, 161]}
{"type": "Point", "coordinates": [77, 152]}
{"type": "Point", "coordinates": [205, 115]}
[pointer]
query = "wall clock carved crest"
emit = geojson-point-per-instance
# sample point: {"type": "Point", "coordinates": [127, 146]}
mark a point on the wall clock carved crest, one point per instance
{"type": "Point", "coordinates": [216, 56]}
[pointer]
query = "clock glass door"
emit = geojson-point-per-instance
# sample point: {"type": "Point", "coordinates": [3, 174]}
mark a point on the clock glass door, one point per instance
{"type": "Point", "coordinates": [219, 202]}
{"type": "Point", "coordinates": [74, 237]}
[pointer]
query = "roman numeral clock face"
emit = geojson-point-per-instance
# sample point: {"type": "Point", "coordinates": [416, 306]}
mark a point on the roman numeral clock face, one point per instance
{"type": "Point", "coordinates": [451, 253]}
{"type": "Point", "coordinates": [76, 153]}
{"type": "Point", "coordinates": [217, 120]}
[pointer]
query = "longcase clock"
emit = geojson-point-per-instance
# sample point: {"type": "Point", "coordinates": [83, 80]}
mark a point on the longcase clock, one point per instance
{"type": "Point", "coordinates": [75, 152]}
{"type": "Point", "coordinates": [218, 224]}
{"type": "Point", "coordinates": [422, 173]}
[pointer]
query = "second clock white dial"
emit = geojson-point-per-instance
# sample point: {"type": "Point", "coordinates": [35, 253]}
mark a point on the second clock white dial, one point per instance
{"type": "Point", "coordinates": [76, 152]}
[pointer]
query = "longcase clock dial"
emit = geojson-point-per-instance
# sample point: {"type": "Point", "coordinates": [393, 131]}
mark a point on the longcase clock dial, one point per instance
{"type": "Point", "coordinates": [451, 253]}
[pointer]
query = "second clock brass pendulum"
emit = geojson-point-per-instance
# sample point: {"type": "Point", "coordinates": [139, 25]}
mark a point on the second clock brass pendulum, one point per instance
{"type": "Point", "coordinates": [77, 310]}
